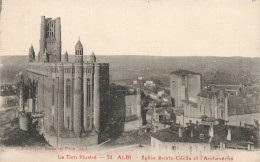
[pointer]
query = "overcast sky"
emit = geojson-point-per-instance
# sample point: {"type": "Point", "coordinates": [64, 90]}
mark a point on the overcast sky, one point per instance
{"type": "Point", "coordinates": [137, 27]}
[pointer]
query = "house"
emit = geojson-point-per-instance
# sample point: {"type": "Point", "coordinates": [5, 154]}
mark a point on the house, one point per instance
{"type": "Point", "coordinates": [245, 107]}
{"type": "Point", "coordinates": [199, 138]}
{"type": "Point", "coordinates": [217, 102]}
{"type": "Point", "coordinates": [179, 140]}
{"type": "Point", "coordinates": [149, 83]}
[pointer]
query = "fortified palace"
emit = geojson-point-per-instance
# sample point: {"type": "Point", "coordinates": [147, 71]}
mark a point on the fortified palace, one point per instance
{"type": "Point", "coordinates": [67, 102]}
{"type": "Point", "coordinates": [235, 104]}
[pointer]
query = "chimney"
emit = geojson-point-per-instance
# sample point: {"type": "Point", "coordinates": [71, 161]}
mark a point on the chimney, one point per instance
{"type": "Point", "coordinates": [229, 134]}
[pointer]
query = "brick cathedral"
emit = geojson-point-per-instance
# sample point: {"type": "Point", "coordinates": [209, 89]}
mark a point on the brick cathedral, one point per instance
{"type": "Point", "coordinates": [68, 101]}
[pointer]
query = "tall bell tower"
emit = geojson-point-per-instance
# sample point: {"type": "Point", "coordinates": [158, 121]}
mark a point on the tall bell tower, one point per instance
{"type": "Point", "coordinates": [50, 40]}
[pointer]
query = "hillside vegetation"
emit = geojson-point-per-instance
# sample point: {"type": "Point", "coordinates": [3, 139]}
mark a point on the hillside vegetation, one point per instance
{"type": "Point", "coordinates": [124, 69]}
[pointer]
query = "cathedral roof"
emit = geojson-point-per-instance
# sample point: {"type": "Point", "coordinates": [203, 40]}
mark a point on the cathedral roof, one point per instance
{"type": "Point", "coordinates": [78, 45]}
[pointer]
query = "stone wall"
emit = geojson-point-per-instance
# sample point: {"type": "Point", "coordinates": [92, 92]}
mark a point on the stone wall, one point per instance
{"type": "Point", "coordinates": [179, 147]}
{"type": "Point", "coordinates": [128, 126]}
{"type": "Point", "coordinates": [245, 118]}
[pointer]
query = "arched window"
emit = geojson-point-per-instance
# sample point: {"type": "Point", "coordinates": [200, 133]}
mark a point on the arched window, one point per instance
{"type": "Point", "coordinates": [88, 122]}
{"type": "Point", "coordinates": [88, 92]}
{"type": "Point", "coordinates": [68, 92]}
{"type": "Point", "coordinates": [68, 120]}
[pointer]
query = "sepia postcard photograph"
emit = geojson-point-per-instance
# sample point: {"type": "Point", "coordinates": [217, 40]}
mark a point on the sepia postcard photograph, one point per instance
{"type": "Point", "coordinates": [129, 80]}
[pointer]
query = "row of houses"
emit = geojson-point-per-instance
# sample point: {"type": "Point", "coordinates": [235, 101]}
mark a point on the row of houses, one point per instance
{"type": "Point", "coordinates": [199, 118]}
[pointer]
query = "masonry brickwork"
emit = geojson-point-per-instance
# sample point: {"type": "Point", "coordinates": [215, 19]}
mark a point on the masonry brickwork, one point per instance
{"type": "Point", "coordinates": [73, 96]}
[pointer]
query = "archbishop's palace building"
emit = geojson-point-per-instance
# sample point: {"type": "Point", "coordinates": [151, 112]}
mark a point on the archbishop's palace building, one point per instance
{"type": "Point", "coordinates": [67, 101]}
